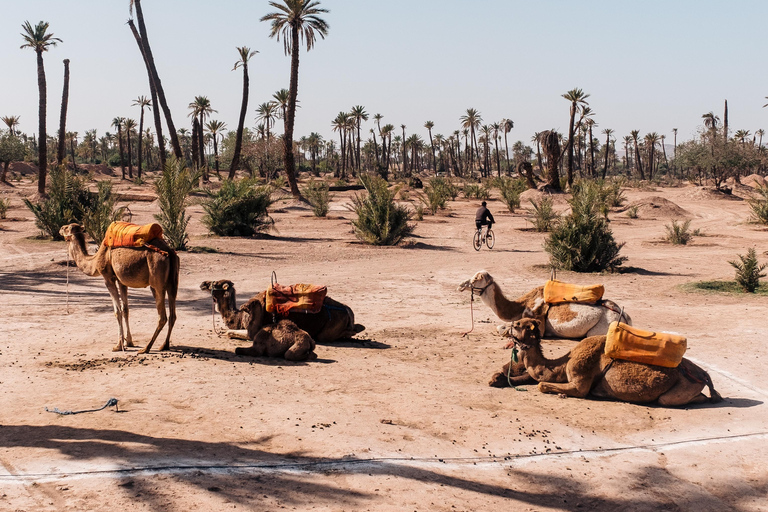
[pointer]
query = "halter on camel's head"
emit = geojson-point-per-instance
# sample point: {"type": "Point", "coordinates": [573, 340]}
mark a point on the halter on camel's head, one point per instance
{"type": "Point", "coordinates": [222, 289]}
{"type": "Point", "coordinates": [525, 333]}
{"type": "Point", "coordinates": [69, 231]}
{"type": "Point", "coordinates": [478, 283]}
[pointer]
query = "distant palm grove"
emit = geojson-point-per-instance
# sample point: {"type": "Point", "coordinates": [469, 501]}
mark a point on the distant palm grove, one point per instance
{"type": "Point", "coordinates": [363, 142]}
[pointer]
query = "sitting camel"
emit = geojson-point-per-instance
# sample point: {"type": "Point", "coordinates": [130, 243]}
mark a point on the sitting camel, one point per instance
{"type": "Point", "coordinates": [566, 320]}
{"type": "Point", "coordinates": [587, 369]}
{"type": "Point", "coordinates": [282, 339]}
{"type": "Point", "coordinates": [130, 267]}
{"type": "Point", "coordinates": [334, 321]}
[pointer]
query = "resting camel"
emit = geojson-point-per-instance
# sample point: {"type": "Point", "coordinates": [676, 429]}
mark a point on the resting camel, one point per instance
{"type": "Point", "coordinates": [587, 369]}
{"type": "Point", "coordinates": [568, 320]}
{"type": "Point", "coordinates": [333, 322]}
{"type": "Point", "coordinates": [282, 339]}
{"type": "Point", "coordinates": [130, 267]}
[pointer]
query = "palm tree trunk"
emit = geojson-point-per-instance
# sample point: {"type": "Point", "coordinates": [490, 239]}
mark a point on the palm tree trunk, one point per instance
{"type": "Point", "coordinates": [592, 168]}
{"type": "Point", "coordinates": [607, 149]}
{"type": "Point", "coordinates": [130, 156]}
{"type": "Point", "coordinates": [63, 115]}
{"type": "Point", "coordinates": [498, 158]}
{"type": "Point", "coordinates": [144, 41]}
{"type": "Point", "coordinates": [290, 164]}
{"type": "Point", "coordinates": [122, 153]}
{"type": "Point", "coordinates": [42, 137]}
{"type": "Point", "coordinates": [506, 150]}
{"type": "Point", "coordinates": [141, 136]}
{"type": "Point", "coordinates": [195, 147]}
{"type": "Point", "coordinates": [570, 144]}
{"type": "Point", "coordinates": [216, 155]}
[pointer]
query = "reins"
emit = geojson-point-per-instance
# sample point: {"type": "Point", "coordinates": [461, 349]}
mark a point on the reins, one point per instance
{"type": "Point", "coordinates": [471, 303]}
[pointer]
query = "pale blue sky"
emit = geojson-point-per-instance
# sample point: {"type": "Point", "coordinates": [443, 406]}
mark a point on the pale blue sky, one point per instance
{"type": "Point", "coordinates": [652, 65]}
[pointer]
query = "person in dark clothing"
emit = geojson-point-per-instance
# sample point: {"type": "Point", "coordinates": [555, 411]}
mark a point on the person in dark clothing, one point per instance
{"type": "Point", "coordinates": [483, 217]}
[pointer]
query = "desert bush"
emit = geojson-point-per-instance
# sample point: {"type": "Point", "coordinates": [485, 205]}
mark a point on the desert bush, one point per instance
{"type": "Point", "coordinates": [679, 234]}
{"type": "Point", "coordinates": [418, 212]}
{"type": "Point", "coordinates": [510, 190]}
{"type": "Point", "coordinates": [172, 189]}
{"type": "Point", "coordinates": [632, 212]}
{"type": "Point", "coordinates": [4, 205]}
{"type": "Point", "coordinates": [101, 212]}
{"type": "Point", "coordinates": [405, 194]}
{"type": "Point", "coordinates": [544, 215]}
{"type": "Point", "coordinates": [316, 192]}
{"type": "Point", "coordinates": [759, 206]}
{"type": "Point", "coordinates": [238, 208]}
{"type": "Point", "coordinates": [380, 221]}
{"type": "Point", "coordinates": [67, 198]}
{"type": "Point", "coordinates": [437, 193]}
{"type": "Point", "coordinates": [748, 271]}
{"type": "Point", "coordinates": [582, 241]}
{"type": "Point", "coordinates": [475, 191]}
{"type": "Point", "coordinates": [614, 195]}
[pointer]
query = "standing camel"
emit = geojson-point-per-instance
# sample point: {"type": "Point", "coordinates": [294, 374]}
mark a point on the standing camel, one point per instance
{"type": "Point", "coordinates": [130, 267]}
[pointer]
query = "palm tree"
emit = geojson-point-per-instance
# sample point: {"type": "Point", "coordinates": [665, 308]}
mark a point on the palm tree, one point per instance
{"type": "Point", "coordinates": [651, 140]}
{"type": "Point", "coordinates": [507, 125]}
{"type": "Point", "coordinates": [296, 20]}
{"type": "Point", "coordinates": [11, 122]}
{"type": "Point", "coordinates": [340, 125]}
{"type": "Point", "coordinates": [486, 130]}
{"type": "Point", "coordinates": [40, 40]}
{"type": "Point", "coordinates": [215, 128]}
{"type": "Point", "coordinates": [607, 132]}
{"type": "Point", "coordinates": [638, 162]}
{"type": "Point", "coordinates": [429, 125]}
{"type": "Point", "coordinates": [130, 128]}
{"type": "Point", "coordinates": [378, 118]}
{"type": "Point", "coordinates": [496, 128]}
{"type": "Point", "coordinates": [245, 56]}
{"type": "Point", "coordinates": [71, 137]}
{"type": "Point", "coordinates": [710, 121]}
{"type": "Point", "coordinates": [201, 108]}
{"type": "Point", "coordinates": [470, 121]}
{"type": "Point", "coordinates": [314, 142]}
{"type": "Point", "coordinates": [142, 102]}
{"type": "Point", "coordinates": [760, 132]}
{"type": "Point", "coordinates": [550, 142]}
{"type": "Point", "coordinates": [627, 142]}
{"type": "Point", "coordinates": [576, 97]}
{"type": "Point", "coordinates": [63, 114]}
{"type": "Point", "coordinates": [386, 134]}
{"type": "Point", "coordinates": [281, 98]}
{"type": "Point", "coordinates": [154, 79]}
{"type": "Point", "coordinates": [118, 123]}
{"type": "Point", "coordinates": [267, 112]}
{"type": "Point", "coordinates": [358, 114]}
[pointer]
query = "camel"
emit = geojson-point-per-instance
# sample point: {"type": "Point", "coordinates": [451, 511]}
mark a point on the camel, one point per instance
{"type": "Point", "coordinates": [567, 320]}
{"type": "Point", "coordinates": [587, 369]}
{"type": "Point", "coordinates": [282, 339]}
{"type": "Point", "coordinates": [130, 267]}
{"type": "Point", "coordinates": [333, 322]}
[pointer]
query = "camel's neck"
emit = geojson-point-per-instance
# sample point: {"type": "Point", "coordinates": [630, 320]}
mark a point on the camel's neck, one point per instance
{"type": "Point", "coordinates": [505, 309]}
{"type": "Point", "coordinates": [79, 252]}
{"type": "Point", "coordinates": [541, 368]}
{"type": "Point", "coordinates": [229, 312]}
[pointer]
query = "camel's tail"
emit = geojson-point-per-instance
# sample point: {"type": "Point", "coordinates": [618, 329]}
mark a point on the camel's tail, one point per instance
{"type": "Point", "coordinates": [696, 374]}
{"type": "Point", "coordinates": [173, 281]}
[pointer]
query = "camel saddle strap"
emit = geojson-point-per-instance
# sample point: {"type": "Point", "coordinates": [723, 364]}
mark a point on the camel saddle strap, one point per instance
{"type": "Point", "coordinates": [657, 348]}
{"type": "Point", "coordinates": [125, 234]}
{"type": "Point", "coordinates": [556, 292]}
{"type": "Point", "coordinates": [300, 297]}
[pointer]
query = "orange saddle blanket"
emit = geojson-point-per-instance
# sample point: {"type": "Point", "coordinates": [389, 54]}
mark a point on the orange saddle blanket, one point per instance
{"type": "Point", "coordinates": [632, 344]}
{"type": "Point", "coordinates": [556, 292]}
{"type": "Point", "coordinates": [125, 234]}
{"type": "Point", "coordinates": [301, 297]}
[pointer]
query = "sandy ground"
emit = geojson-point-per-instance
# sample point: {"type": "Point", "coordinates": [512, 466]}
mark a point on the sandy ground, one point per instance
{"type": "Point", "coordinates": [401, 418]}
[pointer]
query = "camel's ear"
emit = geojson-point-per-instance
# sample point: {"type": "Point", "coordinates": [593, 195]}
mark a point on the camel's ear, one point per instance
{"type": "Point", "coordinates": [205, 286]}
{"type": "Point", "coordinates": [76, 228]}
{"type": "Point", "coordinates": [225, 286]}
{"type": "Point", "coordinates": [528, 313]}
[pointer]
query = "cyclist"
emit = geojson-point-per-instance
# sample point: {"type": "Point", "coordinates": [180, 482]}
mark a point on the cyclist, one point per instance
{"type": "Point", "coordinates": [483, 217]}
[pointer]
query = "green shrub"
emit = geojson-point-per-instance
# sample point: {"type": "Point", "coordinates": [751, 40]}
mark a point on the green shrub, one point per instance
{"type": "Point", "coordinates": [510, 190]}
{"type": "Point", "coordinates": [316, 192]}
{"type": "Point", "coordinates": [748, 271]}
{"type": "Point", "coordinates": [380, 221]}
{"type": "Point", "coordinates": [679, 234]}
{"type": "Point", "coordinates": [475, 191]}
{"type": "Point", "coordinates": [545, 217]}
{"type": "Point", "coordinates": [583, 241]}
{"type": "Point", "coordinates": [418, 212]}
{"type": "Point", "coordinates": [4, 205]}
{"type": "Point", "coordinates": [614, 195]}
{"type": "Point", "coordinates": [437, 193]}
{"type": "Point", "coordinates": [67, 199]}
{"type": "Point", "coordinates": [238, 208]}
{"type": "Point", "coordinates": [632, 212]}
{"type": "Point", "coordinates": [759, 206]}
{"type": "Point", "coordinates": [102, 212]}
{"type": "Point", "coordinates": [172, 189]}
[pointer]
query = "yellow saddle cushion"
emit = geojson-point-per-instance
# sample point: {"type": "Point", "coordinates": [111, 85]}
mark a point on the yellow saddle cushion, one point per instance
{"type": "Point", "coordinates": [556, 292]}
{"type": "Point", "coordinates": [301, 297]}
{"type": "Point", "coordinates": [125, 234]}
{"type": "Point", "coordinates": [632, 344]}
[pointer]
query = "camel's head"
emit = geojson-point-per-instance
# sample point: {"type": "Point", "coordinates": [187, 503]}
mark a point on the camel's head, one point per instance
{"type": "Point", "coordinates": [70, 230]}
{"type": "Point", "coordinates": [525, 333]}
{"type": "Point", "coordinates": [479, 282]}
{"type": "Point", "coordinates": [222, 292]}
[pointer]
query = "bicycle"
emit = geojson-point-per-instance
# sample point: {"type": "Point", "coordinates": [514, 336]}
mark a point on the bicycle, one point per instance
{"type": "Point", "coordinates": [480, 238]}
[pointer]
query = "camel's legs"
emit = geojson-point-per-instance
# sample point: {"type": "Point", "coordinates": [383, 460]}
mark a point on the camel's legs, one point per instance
{"type": "Point", "coordinates": [124, 300]}
{"type": "Point", "coordinates": [159, 296]}
{"type": "Point", "coordinates": [171, 320]}
{"type": "Point", "coordinates": [682, 393]}
{"type": "Point", "coordinates": [113, 293]}
{"type": "Point", "coordinates": [578, 387]}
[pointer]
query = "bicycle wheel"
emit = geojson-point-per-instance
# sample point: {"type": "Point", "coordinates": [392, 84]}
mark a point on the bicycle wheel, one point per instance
{"type": "Point", "coordinates": [477, 242]}
{"type": "Point", "coordinates": [490, 239]}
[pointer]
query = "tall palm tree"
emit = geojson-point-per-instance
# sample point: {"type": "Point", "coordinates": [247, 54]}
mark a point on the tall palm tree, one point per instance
{"type": "Point", "coordinates": [486, 130]}
{"type": "Point", "coordinates": [496, 127]}
{"type": "Point", "coordinates": [590, 123]}
{"type": "Point", "coordinates": [429, 125]}
{"type": "Point", "coordinates": [471, 121]}
{"type": "Point", "coordinates": [359, 114]}
{"type": "Point", "coordinates": [295, 21]}
{"type": "Point", "coordinates": [576, 97]}
{"type": "Point", "coordinates": [710, 121]}
{"type": "Point", "coordinates": [537, 139]}
{"type": "Point", "coordinates": [607, 132]}
{"type": "Point", "coordinates": [245, 55]}
{"type": "Point", "coordinates": [386, 134]}
{"type": "Point", "coordinates": [40, 40]}
{"type": "Point", "coordinates": [550, 142]}
{"type": "Point", "coordinates": [760, 132]}
{"type": "Point", "coordinates": [651, 140]}
{"type": "Point", "coordinates": [627, 143]}
{"type": "Point", "coordinates": [63, 114]}
{"type": "Point", "coordinates": [267, 112]}
{"type": "Point", "coordinates": [507, 125]}
{"type": "Point", "coordinates": [141, 102]}
{"type": "Point", "coordinates": [339, 124]}
{"type": "Point", "coordinates": [378, 118]}
{"type": "Point", "coordinates": [404, 152]}
{"type": "Point", "coordinates": [201, 108]}
{"type": "Point", "coordinates": [440, 143]}
{"type": "Point", "coordinates": [215, 128]}
{"type": "Point", "coordinates": [130, 128]}
{"type": "Point", "coordinates": [154, 78]}
{"type": "Point", "coordinates": [281, 98]}
{"type": "Point", "coordinates": [12, 122]}
{"type": "Point", "coordinates": [118, 123]}
{"type": "Point", "coordinates": [314, 142]}
{"type": "Point", "coordinates": [638, 161]}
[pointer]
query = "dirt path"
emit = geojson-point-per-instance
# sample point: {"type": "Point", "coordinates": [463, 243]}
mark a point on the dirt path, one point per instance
{"type": "Point", "coordinates": [399, 419]}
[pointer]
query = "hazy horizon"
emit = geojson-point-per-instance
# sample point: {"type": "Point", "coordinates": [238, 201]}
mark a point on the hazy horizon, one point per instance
{"type": "Point", "coordinates": [652, 66]}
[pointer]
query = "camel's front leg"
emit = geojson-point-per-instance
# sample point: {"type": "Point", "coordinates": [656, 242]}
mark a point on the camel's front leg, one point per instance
{"type": "Point", "coordinates": [113, 293]}
{"type": "Point", "coordinates": [124, 300]}
{"type": "Point", "coordinates": [578, 387]}
{"type": "Point", "coordinates": [161, 321]}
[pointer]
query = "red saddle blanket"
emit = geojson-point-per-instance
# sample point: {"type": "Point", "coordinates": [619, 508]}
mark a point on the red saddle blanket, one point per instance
{"type": "Point", "coordinates": [125, 234]}
{"type": "Point", "coordinates": [301, 297]}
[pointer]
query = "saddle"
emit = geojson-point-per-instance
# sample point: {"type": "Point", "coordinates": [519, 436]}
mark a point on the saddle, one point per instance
{"type": "Point", "coordinates": [557, 292]}
{"type": "Point", "coordinates": [649, 347]}
{"type": "Point", "coordinates": [125, 234]}
{"type": "Point", "coordinates": [300, 297]}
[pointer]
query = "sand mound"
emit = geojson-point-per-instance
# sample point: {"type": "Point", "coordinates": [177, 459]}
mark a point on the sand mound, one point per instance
{"type": "Point", "coordinates": [97, 169]}
{"type": "Point", "coordinates": [753, 180]}
{"type": "Point", "coordinates": [22, 168]}
{"type": "Point", "coordinates": [655, 206]}
{"type": "Point", "coordinates": [710, 193]}
{"type": "Point", "coordinates": [535, 195]}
